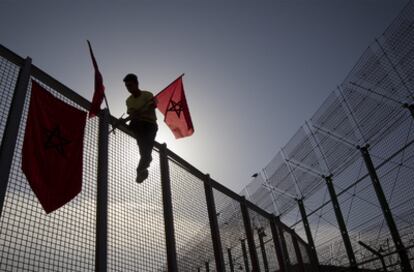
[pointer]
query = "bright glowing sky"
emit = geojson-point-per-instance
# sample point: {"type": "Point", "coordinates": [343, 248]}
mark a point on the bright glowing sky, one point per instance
{"type": "Point", "coordinates": [255, 70]}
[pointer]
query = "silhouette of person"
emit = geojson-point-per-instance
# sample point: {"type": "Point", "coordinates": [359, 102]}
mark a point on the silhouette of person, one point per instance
{"type": "Point", "coordinates": [141, 110]}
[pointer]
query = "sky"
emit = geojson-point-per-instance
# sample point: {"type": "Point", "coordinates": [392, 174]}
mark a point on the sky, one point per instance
{"type": "Point", "coordinates": [254, 70]}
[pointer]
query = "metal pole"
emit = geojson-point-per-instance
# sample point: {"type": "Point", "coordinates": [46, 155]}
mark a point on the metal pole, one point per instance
{"type": "Point", "coordinates": [405, 261]}
{"type": "Point", "coordinates": [215, 231]}
{"type": "Point", "coordinates": [341, 223]}
{"type": "Point", "coordinates": [277, 244]}
{"type": "Point", "coordinates": [249, 235]}
{"type": "Point", "coordinates": [12, 128]}
{"type": "Point", "coordinates": [245, 258]}
{"type": "Point", "coordinates": [313, 253]}
{"type": "Point", "coordinates": [261, 234]}
{"type": "Point", "coordinates": [168, 210]}
{"type": "Point", "coordinates": [102, 194]}
{"type": "Point", "coordinates": [230, 260]}
{"type": "Point", "coordinates": [298, 253]}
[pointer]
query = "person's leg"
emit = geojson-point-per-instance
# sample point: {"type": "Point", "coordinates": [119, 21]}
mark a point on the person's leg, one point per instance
{"type": "Point", "coordinates": [137, 127]}
{"type": "Point", "coordinates": [142, 153]}
{"type": "Point", "coordinates": [147, 144]}
{"type": "Point", "coordinates": [145, 140]}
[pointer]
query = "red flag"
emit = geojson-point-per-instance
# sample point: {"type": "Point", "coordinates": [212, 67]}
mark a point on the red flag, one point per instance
{"type": "Point", "coordinates": [52, 149]}
{"type": "Point", "coordinates": [98, 94]}
{"type": "Point", "coordinates": [172, 103]}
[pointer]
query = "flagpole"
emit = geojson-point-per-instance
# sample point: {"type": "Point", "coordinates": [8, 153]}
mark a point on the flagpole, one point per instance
{"type": "Point", "coordinates": [95, 65]}
{"type": "Point", "coordinates": [172, 82]}
{"type": "Point", "coordinates": [107, 106]}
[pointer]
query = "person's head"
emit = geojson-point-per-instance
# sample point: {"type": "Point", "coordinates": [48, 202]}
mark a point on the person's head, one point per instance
{"type": "Point", "coordinates": [131, 83]}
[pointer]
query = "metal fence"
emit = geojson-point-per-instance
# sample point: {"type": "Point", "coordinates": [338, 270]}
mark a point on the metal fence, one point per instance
{"type": "Point", "coordinates": [177, 220]}
{"type": "Point", "coordinates": [344, 181]}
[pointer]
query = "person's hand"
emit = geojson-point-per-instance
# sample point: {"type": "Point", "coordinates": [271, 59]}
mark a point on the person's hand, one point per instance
{"type": "Point", "coordinates": [120, 121]}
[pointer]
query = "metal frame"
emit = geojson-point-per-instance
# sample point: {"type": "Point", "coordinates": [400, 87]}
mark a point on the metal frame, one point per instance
{"type": "Point", "coordinates": [102, 194]}
{"type": "Point", "coordinates": [12, 127]}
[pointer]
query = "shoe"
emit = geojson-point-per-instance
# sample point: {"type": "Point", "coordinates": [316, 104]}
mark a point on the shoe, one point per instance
{"type": "Point", "coordinates": [144, 163]}
{"type": "Point", "coordinates": [141, 176]}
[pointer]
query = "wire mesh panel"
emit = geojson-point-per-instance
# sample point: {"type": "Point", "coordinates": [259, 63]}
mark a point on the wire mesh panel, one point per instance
{"type": "Point", "coordinates": [398, 44]}
{"type": "Point", "coordinates": [261, 227]}
{"type": "Point", "coordinates": [373, 74]}
{"type": "Point", "coordinates": [306, 162]}
{"type": "Point", "coordinates": [8, 78]}
{"type": "Point", "coordinates": [325, 229]}
{"type": "Point", "coordinates": [303, 248]}
{"type": "Point", "coordinates": [258, 230]}
{"type": "Point", "coordinates": [396, 179]}
{"type": "Point", "coordinates": [299, 229]}
{"type": "Point", "coordinates": [136, 235]}
{"type": "Point", "coordinates": [231, 227]}
{"type": "Point", "coordinates": [373, 116]}
{"type": "Point", "coordinates": [302, 149]}
{"type": "Point", "coordinates": [260, 194]}
{"type": "Point", "coordinates": [293, 260]}
{"type": "Point", "coordinates": [335, 132]}
{"type": "Point", "coordinates": [278, 174]}
{"type": "Point", "coordinates": [363, 217]}
{"type": "Point", "coordinates": [191, 221]}
{"type": "Point", "coordinates": [64, 240]}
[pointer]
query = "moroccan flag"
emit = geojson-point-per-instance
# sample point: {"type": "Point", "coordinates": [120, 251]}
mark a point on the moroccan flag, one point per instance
{"type": "Point", "coordinates": [52, 149]}
{"type": "Point", "coordinates": [172, 103]}
{"type": "Point", "coordinates": [99, 93]}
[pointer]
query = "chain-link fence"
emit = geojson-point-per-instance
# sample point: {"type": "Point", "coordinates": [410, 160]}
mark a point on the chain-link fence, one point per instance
{"type": "Point", "coordinates": [344, 180]}
{"type": "Point", "coordinates": [179, 219]}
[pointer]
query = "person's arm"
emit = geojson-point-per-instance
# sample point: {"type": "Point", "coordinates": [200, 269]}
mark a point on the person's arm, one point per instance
{"type": "Point", "coordinates": [133, 114]}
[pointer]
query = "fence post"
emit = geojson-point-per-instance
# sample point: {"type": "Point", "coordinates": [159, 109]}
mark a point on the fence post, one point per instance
{"type": "Point", "coordinates": [11, 130]}
{"type": "Point", "coordinates": [102, 194]}
{"type": "Point", "coordinates": [249, 235]}
{"type": "Point", "coordinates": [215, 231]}
{"type": "Point", "coordinates": [277, 243]}
{"type": "Point", "coordinates": [245, 257]}
{"type": "Point", "coordinates": [230, 260]}
{"type": "Point", "coordinates": [313, 254]}
{"type": "Point", "coordinates": [405, 262]}
{"type": "Point", "coordinates": [341, 223]}
{"type": "Point", "coordinates": [261, 234]}
{"type": "Point", "coordinates": [168, 210]}
{"type": "Point", "coordinates": [297, 251]}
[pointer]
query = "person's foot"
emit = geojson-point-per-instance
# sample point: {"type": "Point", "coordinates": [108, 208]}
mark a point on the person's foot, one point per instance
{"type": "Point", "coordinates": [142, 175]}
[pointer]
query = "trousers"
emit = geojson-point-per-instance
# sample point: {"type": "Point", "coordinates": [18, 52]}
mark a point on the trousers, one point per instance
{"type": "Point", "coordinates": [145, 133]}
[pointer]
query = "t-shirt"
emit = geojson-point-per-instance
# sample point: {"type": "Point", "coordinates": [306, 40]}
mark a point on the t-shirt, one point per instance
{"type": "Point", "coordinates": [144, 105]}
